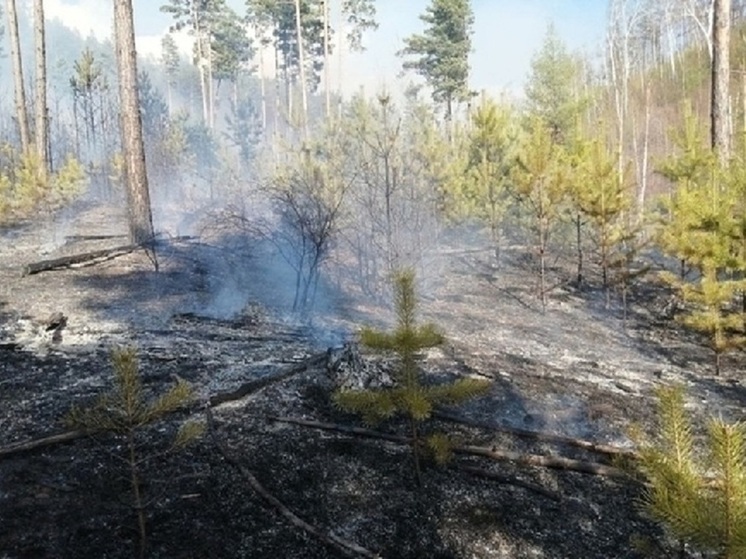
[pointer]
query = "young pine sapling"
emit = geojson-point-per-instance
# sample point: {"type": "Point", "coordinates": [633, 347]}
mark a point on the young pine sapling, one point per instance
{"type": "Point", "coordinates": [409, 396]}
{"type": "Point", "coordinates": [125, 412]}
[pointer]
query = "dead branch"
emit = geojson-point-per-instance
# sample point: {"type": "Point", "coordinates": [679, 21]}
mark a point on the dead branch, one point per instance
{"type": "Point", "coordinates": [359, 431]}
{"type": "Point", "coordinates": [221, 398]}
{"type": "Point", "coordinates": [538, 436]}
{"type": "Point", "coordinates": [257, 384]}
{"type": "Point", "coordinates": [348, 548]}
{"type": "Point", "coordinates": [24, 446]}
{"type": "Point", "coordinates": [554, 462]}
{"type": "Point", "coordinates": [90, 258]}
{"type": "Point", "coordinates": [479, 472]}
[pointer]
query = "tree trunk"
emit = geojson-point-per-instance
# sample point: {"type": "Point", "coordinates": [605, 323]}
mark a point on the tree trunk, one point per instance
{"type": "Point", "coordinates": [720, 100]}
{"type": "Point", "coordinates": [20, 89]}
{"type": "Point", "coordinates": [301, 65]}
{"type": "Point", "coordinates": [136, 178]}
{"type": "Point", "coordinates": [201, 65]}
{"type": "Point", "coordinates": [327, 93]}
{"type": "Point", "coordinates": [42, 122]}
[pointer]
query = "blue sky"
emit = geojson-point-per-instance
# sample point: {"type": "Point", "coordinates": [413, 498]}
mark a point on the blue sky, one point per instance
{"type": "Point", "coordinates": [506, 35]}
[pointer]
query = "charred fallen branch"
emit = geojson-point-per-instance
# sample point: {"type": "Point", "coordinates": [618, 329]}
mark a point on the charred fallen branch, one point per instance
{"type": "Point", "coordinates": [89, 258]}
{"type": "Point", "coordinates": [608, 450]}
{"type": "Point", "coordinates": [494, 476]}
{"type": "Point", "coordinates": [25, 446]}
{"type": "Point", "coordinates": [221, 398]}
{"type": "Point", "coordinates": [553, 462]}
{"type": "Point", "coordinates": [252, 386]}
{"type": "Point", "coordinates": [348, 548]}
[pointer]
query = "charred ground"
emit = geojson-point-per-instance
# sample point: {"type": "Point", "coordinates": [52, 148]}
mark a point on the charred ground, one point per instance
{"type": "Point", "coordinates": [578, 370]}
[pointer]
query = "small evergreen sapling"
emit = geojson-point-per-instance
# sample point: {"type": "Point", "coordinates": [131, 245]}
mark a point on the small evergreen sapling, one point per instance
{"type": "Point", "coordinates": [125, 412]}
{"type": "Point", "coordinates": [701, 497]}
{"type": "Point", "coordinates": [409, 396]}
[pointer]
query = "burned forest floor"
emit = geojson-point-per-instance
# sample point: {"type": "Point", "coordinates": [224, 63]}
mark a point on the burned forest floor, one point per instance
{"type": "Point", "coordinates": [215, 315]}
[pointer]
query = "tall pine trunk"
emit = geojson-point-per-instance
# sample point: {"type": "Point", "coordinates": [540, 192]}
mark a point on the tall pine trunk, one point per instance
{"type": "Point", "coordinates": [20, 89]}
{"type": "Point", "coordinates": [301, 65]}
{"type": "Point", "coordinates": [327, 93]}
{"type": "Point", "coordinates": [136, 178]}
{"type": "Point", "coordinates": [720, 100]}
{"type": "Point", "coordinates": [42, 122]}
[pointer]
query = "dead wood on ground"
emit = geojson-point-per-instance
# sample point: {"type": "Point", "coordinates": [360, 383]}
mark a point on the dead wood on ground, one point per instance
{"type": "Point", "coordinates": [479, 472]}
{"type": "Point", "coordinates": [220, 398]}
{"type": "Point", "coordinates": [553, 462]}
{"type": "Point", "coordinates": [89, 258]}
{"type": "Point", "coordinates": [24, 446]}
{"type": "Point", "coordinates": [348, 548]}
{"type": "Point", "coordinates": [257, 384]}
{"type": "Point", "coordinates": [538, 436]}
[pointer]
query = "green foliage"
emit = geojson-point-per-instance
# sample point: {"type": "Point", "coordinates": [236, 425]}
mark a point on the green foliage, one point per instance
{"type": "Point", "coordinates": [402, 162]}
{"type": "Point", "coordinates": [441, 52]}
{"type": "Point", "coordinates": [126, 412]}
{"type": "Point", "coordinates": [361, 16]}
{"type": "Point", "coordinates": [153, 110]}
{"type": "Point", "coordinates": [244, 130]}
{"type": "Point", "coordinates": [232, 50]}
{"type": "Point", "coordinates": [603, 197]}
{"type": "Point", "coordinates": [410, 396]}
{"type": "Point", "coordinates": [170, 57]}
{"type": "Point", "coordinates": [278, 17]}
{"type": "Point", "coordinates": [703, 228]}
{"type": "Point", "coordinates": [27, 189]}
{"type": "Point", "coordinates": [482, 188]}
{"type": "Point", "coordinates": [701, 496]}
{"type": "Point", "coordinates": [541, 179]}
{"type": "Point", "coordinates": [552, 88]}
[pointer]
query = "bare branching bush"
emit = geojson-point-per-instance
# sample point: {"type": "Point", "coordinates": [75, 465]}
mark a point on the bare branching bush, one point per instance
{"type": "Point", "coordinates": [126, 412]}
{"type": "Point", "coordinates": [307, 196]}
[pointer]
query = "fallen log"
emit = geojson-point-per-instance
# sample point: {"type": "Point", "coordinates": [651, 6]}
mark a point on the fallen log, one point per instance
{"type": "Point", "coordinates": [538, 436]}
{"type": "Point", "coordinates": [348, 548]}
{"type": "Point", "coordinates": [89, 258]}
{"type": "Point", "coordinates": [553, 462]}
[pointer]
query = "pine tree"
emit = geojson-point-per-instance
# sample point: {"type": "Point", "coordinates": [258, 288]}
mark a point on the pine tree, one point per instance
{"type": "Point", "coordinates": [139, 212]}
{"type": "Point", "coordinates": [602, 196]}
{"type": "Point", "coordinates": [171, 61]}
{"type": "Point", "coordinates": [701, 497]}
{"type": "Point", "coordinates": [541, 181]}
{"type": "Point", "coordinates": [702, 229]}
{"type": "Point", "coordinates": [410, 396]}
{"type": "Point", "coordinates": [551, 90]}
{"type": "Point", "coordinates": [441, 53]}
{"type": "Point", "coordinates": [125, 412]}
{"type": "Point", "coordinates": [482, 189]}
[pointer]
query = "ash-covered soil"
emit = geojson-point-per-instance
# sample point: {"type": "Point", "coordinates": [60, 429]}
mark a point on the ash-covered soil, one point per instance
{"type": "Point", "coordinates": [577, 370]}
